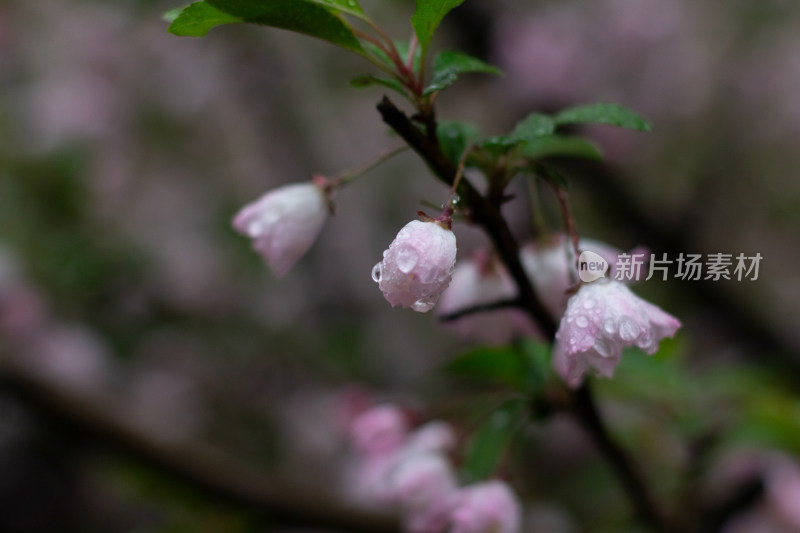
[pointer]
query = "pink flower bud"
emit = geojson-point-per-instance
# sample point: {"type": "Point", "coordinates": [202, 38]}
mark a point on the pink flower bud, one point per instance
{"type": "Point", "coordinates": [480, 280]}
{"type": "Point", "coordinates": [601, 319]}
{"type": "Point", "coordinates": [421, 479]}
{"type": "Point", "coordinates": [284, 223]}
{"type": "Point", "coordinates": [436, 436]}
{"type": "Point", "coordinates": [417, 266]}
{"type": "Point", "coordinates": [379, 431]}
{"type": "Point", "coordinates": [489, 507]}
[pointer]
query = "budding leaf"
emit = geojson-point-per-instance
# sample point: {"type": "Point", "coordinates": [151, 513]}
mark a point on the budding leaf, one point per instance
{"type": "Point", "coordinates": [428, 15]}
{"type": "Point", "coordinates": [454, 137]}
{"type": "Point", "coordinates": [560, 146]}
{"type": "Point", "coordinates": [485, 449]}
{"type": "Point", "coordinates": [448, 66]}
{"type": "Point", "coordinates": [368, 80]}
{"type": "Point", "coordinates": [195, 20]}
{"type": "Point", "coordinates": [301, 16]}
{"type": "Point", "coordinates": [532, 126]}
{"type": "Point", "coordinates": [603, 113]}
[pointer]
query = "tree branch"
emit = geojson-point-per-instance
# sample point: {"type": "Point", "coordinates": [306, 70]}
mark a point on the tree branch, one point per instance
{"type": "Point", "coordinates": [487, 214]}
{"type": "Point", "coordinates": [223, 478]}
{"type": "Point", "coordinates": [482, 308]}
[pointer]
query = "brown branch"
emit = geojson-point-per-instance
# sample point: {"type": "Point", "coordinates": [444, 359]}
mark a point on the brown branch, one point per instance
{"type": "Point", "coordinates": [482, 308]}
{"type": "Point", "coordinates": [283, 502]}
{"type": "Point", "coordinates": [487, 214]}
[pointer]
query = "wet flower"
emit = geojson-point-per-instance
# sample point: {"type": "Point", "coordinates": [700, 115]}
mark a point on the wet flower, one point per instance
{"type": "Point", "coordinates": [601, 319]}
{"type": "Point", "coordinates": [417, 266]}
{"type": "Point", "coordinates": [489, 507]}
{"type": "Point", "coordinates": [284, 223]}
{"type": "Point", "coordinates": [481, 280]}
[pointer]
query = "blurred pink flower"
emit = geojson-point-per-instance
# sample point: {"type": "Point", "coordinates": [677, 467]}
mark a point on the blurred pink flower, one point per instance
{"type": "Point", "coordinates": [420, 479]}
{"type": "Point", "coordinates": [284, 223]}
{"type": "Point", "coordinates": [435, 436]}
{"type": "Point", "coordinates": [601, 319]}
{"type": "Point", "coordinates": [482, 280]}
{"type": "Point", "coordinates": [549, 269]}
{"type": "Point", "coordinates": [417, 266]}
{"type": "Point", "coordinates": [379, 431]}
{"type": "Point", "coordinates": [489, 507]}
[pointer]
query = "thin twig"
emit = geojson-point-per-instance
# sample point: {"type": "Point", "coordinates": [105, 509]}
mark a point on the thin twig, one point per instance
{"type": "Point", "coordinates": [482, 308]}
{"type": "Point", "coordinates": [283, 502]}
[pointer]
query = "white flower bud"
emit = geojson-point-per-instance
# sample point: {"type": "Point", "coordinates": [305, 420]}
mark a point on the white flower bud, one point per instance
{"type": "Point", "coordinates": [284, 223]}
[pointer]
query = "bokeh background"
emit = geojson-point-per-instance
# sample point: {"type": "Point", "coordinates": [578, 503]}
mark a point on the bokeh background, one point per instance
{"type": "Point", "coordinates": [126, 151]}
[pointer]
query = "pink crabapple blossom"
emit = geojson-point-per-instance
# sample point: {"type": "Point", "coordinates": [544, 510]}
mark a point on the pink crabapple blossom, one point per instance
{"type": "Point", "coordinates": [417, 266]}
{"type": "Point", "coordinates": [284, 222]}
{"type": "Point", "coordinates": [381, 430]}
{"type": "Point", "coordinates": [488, 507]}
{"type": "Point", "coordinates": [601, 319]}
{"type": "Point", "coordinates": [480, 280]}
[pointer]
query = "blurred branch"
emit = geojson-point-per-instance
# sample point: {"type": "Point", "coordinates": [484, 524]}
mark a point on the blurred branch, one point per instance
{"type": "Point", "coordinates": [283, 502]}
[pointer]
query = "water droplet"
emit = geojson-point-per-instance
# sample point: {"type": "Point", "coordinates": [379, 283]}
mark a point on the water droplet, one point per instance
{"type": "Point", "coordinates": [377, 271]}
{"type": "Point", "coordinates": [582, 321]}
{"type": "Point", "coordinates": [423, 304]}
{"type": "Point", "coordinates": [406, 259]}
{"type": "Point", "coordinates": [602, 348]}
{"type": "Point", "coordinates": [455, 200]}
{"type": "Point", "coordinates": [588, 304]}
{"type": "Point", "coordinates": [628, 329]}
{"type": "Point", "coordinates": [609, 326]}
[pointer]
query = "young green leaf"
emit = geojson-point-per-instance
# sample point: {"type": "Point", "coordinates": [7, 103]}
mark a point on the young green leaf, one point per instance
{"type": "Point", "coordinates": [454, 137]}
{"type": "Point", "coordinates": [428, 15]}
{"type": "Point", "coordinates": [551, 175]}
{"type": "Point", "coordinates": [532, 126]}
{"type": "Point", "coordinates": [603, 113]}
{"type": "Point", "coordinates": [448, 66]}
{"type": "Point", "coordinates": [301, 16]}
{"type": "Point", "coordinates": [487, 445]}
{"type": "Point", "coordinates": [560, 146]}
{"type": "Point", "coordinates": [501, 365]}
{"type": "Point", "coordinates": [368, 80]}
{"type": "Point", "coordinates": [196, 19]}
{"type": "Point", "coordinates": [350, 7]}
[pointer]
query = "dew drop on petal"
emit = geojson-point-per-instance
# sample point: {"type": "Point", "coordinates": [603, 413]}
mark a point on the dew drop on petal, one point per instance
{"type": "Point", "coordinates": [602, 348]}
{"type": "Point", "coordinates": [628, 329]}
{"type": "Point", "coordinates": [377, 270]}
{"type": "Point", "coordinates": [407, 259]}
{"type": "Point", "coordinates": [423, 305]}
{"type": "Point", "coordinates": [582, 321]}
{"type": "Point", "coordinates": [609, 326]}
{"type": "Point", "coordinates": [588, 304]}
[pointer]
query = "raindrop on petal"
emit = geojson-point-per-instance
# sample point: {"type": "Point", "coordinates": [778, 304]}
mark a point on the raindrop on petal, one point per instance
{"type": "Point", "coordinates": [377, 270]}
{"type": "Point", "coordinates": [582, 321]}
{"type": "Point", "coordinates": [628, 329]}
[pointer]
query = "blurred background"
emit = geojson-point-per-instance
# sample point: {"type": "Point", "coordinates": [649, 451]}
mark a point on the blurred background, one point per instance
{"type": "Point", "coordinates": [127, 150]}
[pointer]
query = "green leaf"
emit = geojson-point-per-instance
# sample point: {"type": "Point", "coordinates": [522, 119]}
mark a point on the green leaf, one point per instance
{"type": "Point", "coordinates": [603, 113]}
{"type": "Point", "coordinates": [428, 15]}
{"type": "Point", "coordinates": [350, 7]}
{"type": "Point", "coordinates": [560, 146]}
{"type": "Point", "coordinates": [454, 137]}
{"type": "Point", "coordinates": [448, 66]}
{"type": "Point", "coordinates": [486, 446]}
{"type": "Point", "coordinates": [532, 126]}
{"type": "Point", "coordinates": [195, 20]}
{"type": "Point", "coordinates": [301, 16]}
{"type": "Point", "coordinates": [172, 14]}
{"type": "Point", "coordinates": [368, 80]}
{"type": "Point", "coordinates": [503, 365]}
{"type": "Point", "coordinates": [552, 176]}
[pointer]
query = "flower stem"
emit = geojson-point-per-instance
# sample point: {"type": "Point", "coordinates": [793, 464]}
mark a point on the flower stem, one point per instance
{"type": "Point", "coordinates": [349, 175]}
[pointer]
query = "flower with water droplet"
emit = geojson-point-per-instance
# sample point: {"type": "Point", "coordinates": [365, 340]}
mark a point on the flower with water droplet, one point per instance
{"type": "Point", "coordinates": [601, 319]}
{"type": "Point", "coordinates": [417, 266]}
{"type": "Point", "coordinates": [284, 222]}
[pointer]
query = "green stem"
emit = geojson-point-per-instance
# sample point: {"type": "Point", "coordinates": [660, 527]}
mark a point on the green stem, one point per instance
{"type": "Point", "coordinates": [349, 175]}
